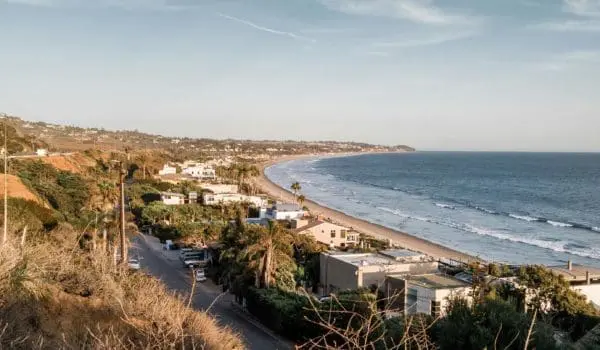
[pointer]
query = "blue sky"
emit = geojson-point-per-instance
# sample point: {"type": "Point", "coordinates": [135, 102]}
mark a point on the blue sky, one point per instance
{"type": "Point", "coordinates": [435, 74]}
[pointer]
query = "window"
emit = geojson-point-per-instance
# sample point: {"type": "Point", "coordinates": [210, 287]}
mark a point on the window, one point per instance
{"type": "Point", "coordinates": [436, 308]}
{"type": "Point", "coordinates": [332, 233]}
{"type": "Point", "coordinates": [343, 233]}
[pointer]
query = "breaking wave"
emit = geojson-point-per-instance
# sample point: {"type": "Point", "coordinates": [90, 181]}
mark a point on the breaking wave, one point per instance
{"type": "Point", "coordinates": [554, 245]}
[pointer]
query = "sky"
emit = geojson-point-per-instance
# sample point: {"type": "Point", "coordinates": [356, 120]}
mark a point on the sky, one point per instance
{"type": "Point", "coordinates": [434, 74]}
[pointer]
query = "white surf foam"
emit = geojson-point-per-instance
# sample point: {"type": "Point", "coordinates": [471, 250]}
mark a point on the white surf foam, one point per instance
{"type": "Point", "coordinates": [524, 217]}
{"type": "Point", "coordinates": [559, 224]}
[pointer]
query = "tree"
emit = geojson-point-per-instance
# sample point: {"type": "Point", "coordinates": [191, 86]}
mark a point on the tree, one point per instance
{"type": "Point", "coordinates": [108, 195]}
{"type": "Point", "coordinates": [551, 291]}
{"type": "Point", "coordinates": [268, 249]}
{"type": "Point", "coordinates": [143, 159]}
{"type": "Point", "coordinates": [295, 187]}
{"type": "Point", "coordinates": [243, 171]}
{"type": "Point", "coordinates": [155, 212]}
{"type": "Point", "coordinates": [301, 200]}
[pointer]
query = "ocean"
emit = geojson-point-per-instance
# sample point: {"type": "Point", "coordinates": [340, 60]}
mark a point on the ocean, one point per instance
{"type": "Point", "coordinates": [518, 208]}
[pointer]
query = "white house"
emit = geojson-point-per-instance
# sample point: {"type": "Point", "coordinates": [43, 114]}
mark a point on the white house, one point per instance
{"type": "Point", "coordinates": [41, 152]}
{"type": "Point", "coordinates": [170, 198]}
{"type": "Point", "coordinates": [227, 198]}
{"type": "Point", "coordinates": [283, 211]}
{"type": "Point", "coordinates": [167, 170]}
{"type": "Point", "coordinates": [327, 233]}
{"type": "Point", "coordinates": [200, 172]}
{"type": "Point", "coordinates": [427, 293]}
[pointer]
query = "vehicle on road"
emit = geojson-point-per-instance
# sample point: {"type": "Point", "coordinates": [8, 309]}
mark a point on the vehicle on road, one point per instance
{"type": "Point", "coordinates": [134, 264]}
{"type": "Point", "coordinates": [200, 275]}
{"type": "Point", "coordinates": [168, 245]}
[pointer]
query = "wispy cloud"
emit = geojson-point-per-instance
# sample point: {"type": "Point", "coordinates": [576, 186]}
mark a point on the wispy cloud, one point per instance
{"type": "Point", "coordinates": [570, 59]}
{"type": "Point", "coordinates": [587, 14]}
{"type": "Point", "coordinates": [435, 39]}
{"type": "Point", "coordinates": [266, 29]}
{"type": "Point", "coordinates": [378, 53]}
{"type": "Point", "coordinates": [418, 11]}
{"type": "Point", "coordinates": [569, 26]}
{"type": "Point", "coordinates": [584, 8]}
{"type": "Point", "coordinates": [165, 5]}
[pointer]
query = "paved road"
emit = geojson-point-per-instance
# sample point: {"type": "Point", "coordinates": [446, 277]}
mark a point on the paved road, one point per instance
{"type": "Point", "coordinates": [166, 266]}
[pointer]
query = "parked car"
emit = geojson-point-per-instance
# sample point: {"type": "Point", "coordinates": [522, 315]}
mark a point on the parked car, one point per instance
{"type": "Point", "coordinates": [200, 275]}
{"type": "Point", "coordinates": [134, 264]}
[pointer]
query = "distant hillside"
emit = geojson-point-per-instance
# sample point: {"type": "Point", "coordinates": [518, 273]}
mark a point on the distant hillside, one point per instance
{"type": "Point", "coordinates": [70, 138]}
{"type": "Point", "coordinates": [19, 142]}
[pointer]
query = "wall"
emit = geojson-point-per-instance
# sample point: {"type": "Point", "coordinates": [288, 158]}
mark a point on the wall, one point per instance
{"type": "Point", "coordinates": [591, 291]}
{"type": "Point", "coordinates": [219, 188]}
{"type": "Point", "coordinates": [336, 273]}
{"type": "Point", "coordinates": [172, 200]}
{"type": "Point", "coordinates": [322, 234]}
{"type": "Point", "coordinates": [287, 215]}
{"type": "Point", "coordinates": [395, 293]}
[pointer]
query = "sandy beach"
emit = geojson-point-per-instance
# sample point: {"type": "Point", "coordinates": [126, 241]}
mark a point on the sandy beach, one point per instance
{"type": "Point", "coordinates": [399, 238]}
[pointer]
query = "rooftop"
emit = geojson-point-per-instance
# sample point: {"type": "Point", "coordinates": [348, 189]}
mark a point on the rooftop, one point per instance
{"type": "Point", "coordinates": [576, 273]}
{"type": "Point", "coordinates": [364, 259]}
{"type": "Point", "coordinates": [172, 194]}
{"type": "Point", "coordinates": [433, 281]}
{"type": "Point", "coordinates": [398, 254]}
{"type": "Point", "coordinates": [287, 207]}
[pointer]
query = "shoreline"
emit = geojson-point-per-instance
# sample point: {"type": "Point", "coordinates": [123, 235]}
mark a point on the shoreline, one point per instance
{"type": "Point", "coordinates": [378, 231]}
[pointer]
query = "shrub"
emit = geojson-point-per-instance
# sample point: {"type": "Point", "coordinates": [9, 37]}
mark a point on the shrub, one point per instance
{"type": "Point", "coordinates": [28, 213]}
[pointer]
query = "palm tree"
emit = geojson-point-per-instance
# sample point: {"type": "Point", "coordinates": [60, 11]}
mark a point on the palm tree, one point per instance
{"type": "Point", "coordinates": [143, 160]}
{"type": "Point", "coordinates": [296, 188]}
{"type": "Point", "coordinates": [243, 172]}
{"type": "Point", "coordinates": [268, 249]}
{"type": "Point", "coordinates": [108, 194]}
{"type": "Point", "coordinates": [301, 199]}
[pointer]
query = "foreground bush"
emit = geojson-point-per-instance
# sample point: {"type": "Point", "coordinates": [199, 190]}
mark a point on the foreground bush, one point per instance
{"type": "Point", "coordinates": [55, 296]}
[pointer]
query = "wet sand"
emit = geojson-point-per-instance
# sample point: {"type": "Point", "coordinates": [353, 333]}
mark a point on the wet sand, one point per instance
{"type": "Point", "coordinates": [399, 238]}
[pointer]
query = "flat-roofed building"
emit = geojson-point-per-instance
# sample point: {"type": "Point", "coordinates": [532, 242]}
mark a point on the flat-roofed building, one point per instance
{"type": "Point", "coordinates": [228, 198]}
{"type": "Point", "coordinates": [170, 198]}
{"type": "Point", "coordinates": [344, 271]}
{"type": "Point", "coordinates": [424, 293]}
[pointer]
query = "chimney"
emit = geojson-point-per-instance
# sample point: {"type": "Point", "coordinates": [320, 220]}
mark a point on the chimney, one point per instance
{"type": "Point", "coordinates": [587, 278]}
{"type": "Point", "coordinates": [569, 265]}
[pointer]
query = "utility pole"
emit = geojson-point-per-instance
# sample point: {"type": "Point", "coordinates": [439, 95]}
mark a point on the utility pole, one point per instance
{"type": "Point", "coordinates": [5, 233]}
{"type": "Point", "coordinates": [122, 210]}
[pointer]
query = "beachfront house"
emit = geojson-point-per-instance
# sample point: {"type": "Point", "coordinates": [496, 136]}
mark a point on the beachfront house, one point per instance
{"type": "Point", "coordinates": [429, 293]}
{"type": "Point", "coordinates": [283, 211]}
{"type": "Point", "coordinates": [167, 170]}
{"type": "Point", "coordinates": [229, 198]}
{"type": "Point", "coordinates": [170, 198]}
{"type": "Point", "coordinates": [326, 233]}
{"type": "Point", "coordinates": [584, 279]}
{"type": "Point", "coordinates": [350, 271]}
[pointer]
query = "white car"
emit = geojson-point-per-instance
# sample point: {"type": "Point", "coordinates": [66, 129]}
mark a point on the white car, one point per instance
{"type": "Point", "coordinates": [200, 276]}
{"type": "Point", "coordinates": [134, 264]}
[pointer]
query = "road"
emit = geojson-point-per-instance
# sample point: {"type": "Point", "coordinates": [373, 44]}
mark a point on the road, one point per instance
{"type": "Point", "coordinates": [166, 266]}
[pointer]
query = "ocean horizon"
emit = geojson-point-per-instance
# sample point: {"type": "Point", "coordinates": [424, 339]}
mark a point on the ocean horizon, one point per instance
{"type": "Point", "coordinates": [510, 207]}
